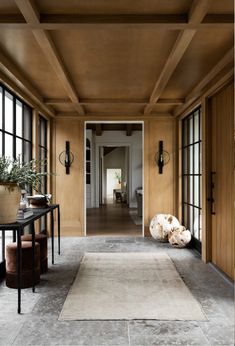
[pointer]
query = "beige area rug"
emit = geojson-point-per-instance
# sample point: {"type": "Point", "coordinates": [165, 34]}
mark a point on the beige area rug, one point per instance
{"type": "Point", "coordinates": [125, 286]}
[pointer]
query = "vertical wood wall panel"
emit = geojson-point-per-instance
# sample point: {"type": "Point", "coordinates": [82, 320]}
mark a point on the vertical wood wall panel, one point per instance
{"type": "Point", "coordinates": [222, 118]}
{"type": "Point", "coordinates": [69, 188]}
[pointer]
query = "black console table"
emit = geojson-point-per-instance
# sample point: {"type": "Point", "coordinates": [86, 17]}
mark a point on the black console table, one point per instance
{"type": "Point", "coordinates": [18, 227]}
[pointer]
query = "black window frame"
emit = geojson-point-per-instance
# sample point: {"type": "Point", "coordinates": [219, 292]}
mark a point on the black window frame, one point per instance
{"type": "Point", "coordinates": [43, 147]}
{"type": "Point", "coordinates": [189, 175]}
{"type": "Point", "coordinates": [27, 123]}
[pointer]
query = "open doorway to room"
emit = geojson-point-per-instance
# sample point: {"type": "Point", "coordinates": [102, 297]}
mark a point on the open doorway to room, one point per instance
{"type": "Point", "coordinates": [114, 178]}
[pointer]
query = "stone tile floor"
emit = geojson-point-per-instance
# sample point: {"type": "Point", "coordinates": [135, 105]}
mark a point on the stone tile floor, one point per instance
{"type": "Point", "coordinates": [38, 324]}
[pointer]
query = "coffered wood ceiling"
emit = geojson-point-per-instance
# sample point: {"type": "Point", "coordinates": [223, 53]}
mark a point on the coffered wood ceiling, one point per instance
{"type": "Point", "coordinates": [125, 57]}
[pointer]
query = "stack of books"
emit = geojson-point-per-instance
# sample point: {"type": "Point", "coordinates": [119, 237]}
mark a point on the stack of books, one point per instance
{"type": "Point", "coordinates": [24, 214]}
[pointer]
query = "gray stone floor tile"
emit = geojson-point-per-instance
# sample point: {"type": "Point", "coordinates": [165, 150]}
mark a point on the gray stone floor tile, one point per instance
{"type": "Point", "coordinates": [147, 333]}
{"type": "Point", "coordinates": [219, 332]}
{"type": "Point", "coordinates": [39, 325]}
{"type": "Point", "coordinates": [53, 332]}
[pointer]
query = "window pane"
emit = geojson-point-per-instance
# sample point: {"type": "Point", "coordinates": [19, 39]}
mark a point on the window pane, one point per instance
{"type": "Point", "coordinates": [185, 210]}
{"type": "Point", "coordinates": [191, 130]}
{"type": "Point", "coordinates": [1, 153]}
{"type": "Point", "coordinates": [27, 151]}
{"type": "Point", "coordinates": [8, 112]}
{"type": "Point", "coordinates": [43, 132]}
{"type": "Point", "coordinates": [185, 156]}
{"type": "Point", "coordinates": [196, 158]}
{"type": "Point", "coordinates": [19, 148]}
{"type": "Point", "coordinates": [8, 145]}
{"type": "Point", "coordinates": [191, 190]}
{"type": "Point", "coordinates": [196, 127]}
{"type": "Point", "coordinates": [196, 191]}
{"type": "Point", "coordinates": [0, 108]}
{"type": "Point", "coordinates": [191, 221]}
{"type": "Point", "coordinates": [186, 187]}
{"type": "Point", "coordinates": [196, 223]}
{"type": "Point", "coordinates": [185, 129]}
{"type": "Point", "coordinates": [27, 114]}
{"type": "Point", "coordinates": [191, 159]}
{"type": "Point", "coordinates": [19, 118]}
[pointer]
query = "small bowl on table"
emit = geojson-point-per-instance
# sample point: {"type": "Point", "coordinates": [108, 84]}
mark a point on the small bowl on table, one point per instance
{"type": "Point", "coordinates": [37, 201]}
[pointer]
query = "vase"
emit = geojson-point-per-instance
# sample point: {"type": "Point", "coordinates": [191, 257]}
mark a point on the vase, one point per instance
{"type": "Point", "coordinates": [10, 195]}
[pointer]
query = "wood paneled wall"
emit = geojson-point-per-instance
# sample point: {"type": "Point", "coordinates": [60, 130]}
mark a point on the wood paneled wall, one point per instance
{"type": "Point", "coordinates": [68, 190]}
{"type": "Point", "coordinates": [222, 164]}
{"type": "Point", "coordinates": [159, 193]}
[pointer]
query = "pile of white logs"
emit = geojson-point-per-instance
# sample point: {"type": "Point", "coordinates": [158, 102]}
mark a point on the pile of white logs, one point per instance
{"type": "Point", "coordinates": [166, 227]}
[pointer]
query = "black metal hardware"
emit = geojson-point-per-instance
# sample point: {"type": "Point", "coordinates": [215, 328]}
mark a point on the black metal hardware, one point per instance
{"type": "Point", "coordinates": [211, 198]}
{"type": "Point", "coordinates": [162, 157]}
{"type": "Point", "coordinates": [66, 157]}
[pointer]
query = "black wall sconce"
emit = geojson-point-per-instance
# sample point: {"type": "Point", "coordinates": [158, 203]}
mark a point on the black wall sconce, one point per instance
{"type": "Point", "coordinates": [66, 157]}
{"type": "Point", "coordinates": [162, 157]}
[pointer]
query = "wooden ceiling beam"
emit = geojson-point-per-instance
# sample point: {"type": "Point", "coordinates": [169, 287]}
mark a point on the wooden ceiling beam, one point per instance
{"type": "Point", "coordinates": [75, 21]}
{"type": "Point", "coordinates": [128, 129]}
{"type": "Point", "coordinates": [85, 102]}
{"type": "Point", "coordinates": [198, 11]}
{"type": "Point", "coordinates": [44, 40]}
{"type": "Point", "coordinates": [6, 64]}
{"type": "Point", "coordinates": [98, 129]}
{"type": "Point", "coordinates": [196, 14]}
{"type": "Point", "coordinates": [122, 18]}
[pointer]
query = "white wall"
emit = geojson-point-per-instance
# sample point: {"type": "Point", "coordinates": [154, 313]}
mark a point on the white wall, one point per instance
{"type": "Point", "coordinates": [134, 142]}
{"type": "Point", "coordinates": [115, 159]}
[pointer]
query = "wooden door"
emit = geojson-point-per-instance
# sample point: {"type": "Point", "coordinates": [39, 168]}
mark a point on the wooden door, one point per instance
{"type": "Point", "coordinates": [222, 179]}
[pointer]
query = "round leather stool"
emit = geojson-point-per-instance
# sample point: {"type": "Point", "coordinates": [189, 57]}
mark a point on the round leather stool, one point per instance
{"type": "Point", "coordinates": [27, 272]}
{"type": "Point", "coordinates": [41, 239]}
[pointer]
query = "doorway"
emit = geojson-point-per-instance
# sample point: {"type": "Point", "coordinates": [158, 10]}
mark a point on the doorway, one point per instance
{"type": "Point", "coordinates": [114, 175]}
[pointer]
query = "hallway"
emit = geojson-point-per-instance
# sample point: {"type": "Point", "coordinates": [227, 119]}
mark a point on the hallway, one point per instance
{"type": "Point", "coordinates": [111, 220]}
{"type": "Point", "coordinates": [39, 325]}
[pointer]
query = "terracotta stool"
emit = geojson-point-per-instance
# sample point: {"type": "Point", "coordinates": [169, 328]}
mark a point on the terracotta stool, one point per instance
{"type": "Point", "coordinates": [27, 273]}
{"type": "Point", "coordinates": [41, 239]}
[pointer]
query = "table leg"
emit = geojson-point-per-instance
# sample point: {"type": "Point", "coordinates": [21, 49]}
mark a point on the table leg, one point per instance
{"type": "Point", "coordinates": [52, 236]}
{"type": "Point", "coordinates": [3, 245]}
{"type": "Point", "coordinates": [33, 256]}
{"type": "Point", "coordinates": [19, 267]}
{"type": "Point", "coordinates": [58, 230]}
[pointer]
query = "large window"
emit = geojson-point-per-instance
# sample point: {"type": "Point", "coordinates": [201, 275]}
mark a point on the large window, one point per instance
{"type": "Point", "coordinates": [43, 149]}
{"type": "Point", "coordinates": [191, 174]}
{"type": "Point", "coordinates": [15, 139]}
{"type": "Point", "coordinates": [15, 127]}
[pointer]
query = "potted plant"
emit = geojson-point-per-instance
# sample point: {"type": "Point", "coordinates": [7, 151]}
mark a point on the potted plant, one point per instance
{"type": "Point", "coordinates": [15, 175]}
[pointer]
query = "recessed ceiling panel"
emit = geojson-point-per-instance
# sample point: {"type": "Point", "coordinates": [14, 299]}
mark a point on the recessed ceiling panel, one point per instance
{"type": "Point", "coordinates": [114, 6]}
{"type": "Point", "coordinates": [8, 6]}
{"type": "Point", "coordinates": [205, 51]}
{"type": "Point", "coordinates": [221, 6]}
{"type": "Point", "coordinates": [25, 53]}
{"type": "Point", "coordinates": [64, 107]}
{"type": "Point", "coordinates": [114, 63]}
{"type": "Point", "coordinates": [159, 108]}
{"type": "Point", "coordinates": [114, 109]}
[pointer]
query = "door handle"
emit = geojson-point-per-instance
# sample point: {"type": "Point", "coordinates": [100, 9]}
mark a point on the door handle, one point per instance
{"type": "Point", "coordinates": [211, 198]}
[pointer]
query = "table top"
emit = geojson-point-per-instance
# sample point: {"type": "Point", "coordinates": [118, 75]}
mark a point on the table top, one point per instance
{"type": "Point", "coordinates": [37, 213]}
